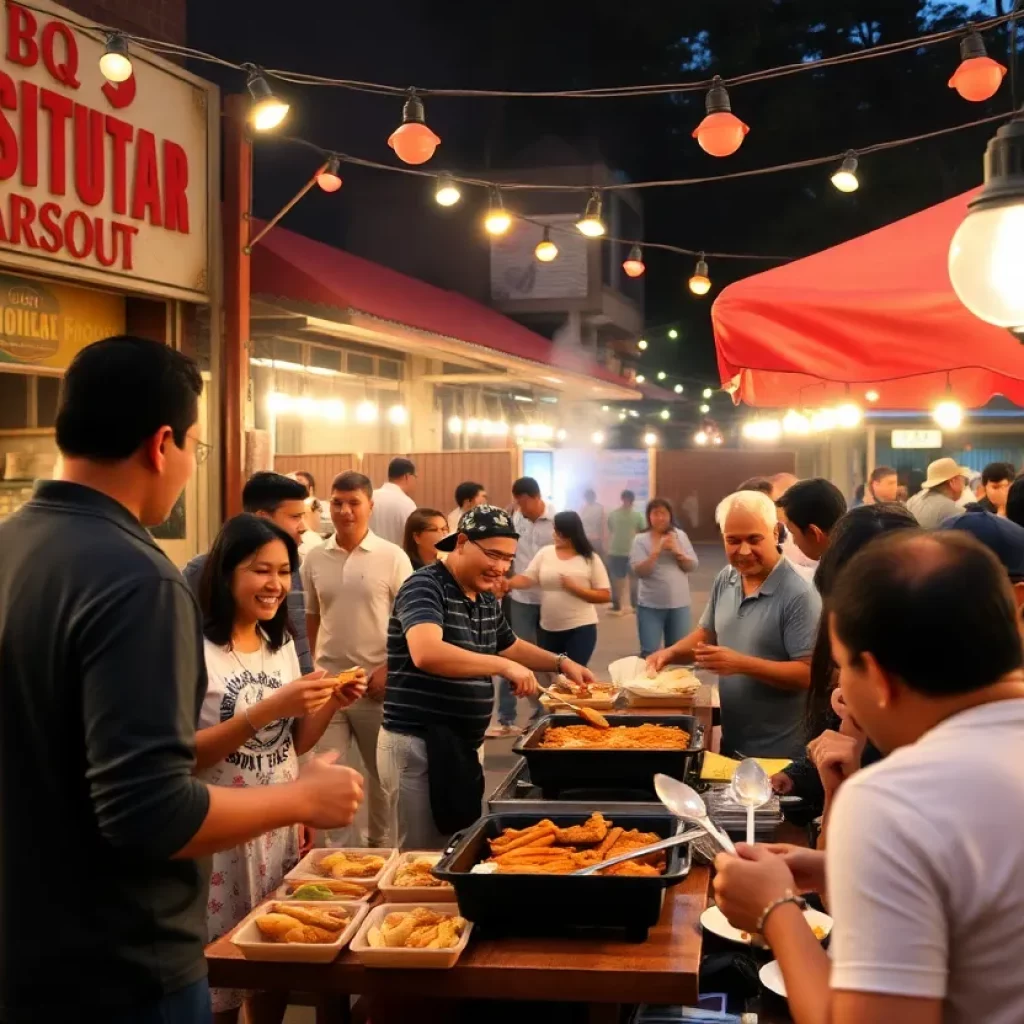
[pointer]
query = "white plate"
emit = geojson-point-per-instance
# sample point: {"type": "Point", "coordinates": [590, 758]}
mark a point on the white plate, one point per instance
{"type": "Point", "coordinates": [771, 978]}
{"type": "Point", "coordinates": [715, 922]}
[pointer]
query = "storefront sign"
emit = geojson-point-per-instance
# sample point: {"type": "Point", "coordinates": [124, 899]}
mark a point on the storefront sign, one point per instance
{"type": "Point", "coordinates": [46, 324]}
{"type": "Point", "coordinates": [917, 439]}
{"type": "Point", "coordinates": [111, 180]}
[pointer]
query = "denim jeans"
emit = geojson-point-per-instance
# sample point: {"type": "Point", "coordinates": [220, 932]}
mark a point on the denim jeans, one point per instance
{"type": "Point", "coordinates": [618, 569]}
{"type": "Point", "coordinates": [578, 643]}
{"type": "Point", "coordinates": [661, 627]}
{"type": "Point", "coordinates": [525, 622]}
{"type": "Point", "coordinates": [190, 1005]}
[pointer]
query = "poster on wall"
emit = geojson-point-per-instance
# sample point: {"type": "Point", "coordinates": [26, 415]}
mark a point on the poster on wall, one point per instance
{"type": "Point", "coordinates": [608, 472]}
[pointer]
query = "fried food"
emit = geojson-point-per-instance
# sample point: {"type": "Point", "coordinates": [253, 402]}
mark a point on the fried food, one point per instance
{"type": "Point", "coordinates": [285, 923]}
{"type": "Point", "coordinates": [417, 929]}
{"type": "Point", "coordinates": [328, 889]}
{"type": "Point", "coordinates": [545, 849]}
{"type": "Point", "coordinates": [331, 920]}
{"type": "Point", "coordinates": [648, 736]}
{"type": "Point", "coordinates": [345, 864]}
{"type": "Point", "coordinates": [584, 691]}
{"type": "Point", "coordinates": [415, 874]}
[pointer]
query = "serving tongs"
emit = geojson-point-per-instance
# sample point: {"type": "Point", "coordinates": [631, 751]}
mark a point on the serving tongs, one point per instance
{"type": "Point", "coordinates": [595, 718]}
{"type": "Point", "coordinates": [665, 844]}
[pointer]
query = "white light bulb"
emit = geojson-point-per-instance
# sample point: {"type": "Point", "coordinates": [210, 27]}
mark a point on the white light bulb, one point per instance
{"type": "Point", "coordinates": [268, 113]}
{"type": "Point", "coordinates": [762, 430]}
{"type": "Point", "coordinates": [701, 437]}
{"type": "Point", "coordinates": [872, 395]}
{"type": "Point", "coordinates": [640, 378]}
{"type": "Point", "coordinates": [366, 412]}
{"type": "Point", "coordinates": [597, 437]}
{"type": "Point", "coordinates": [678, 389]}
{"type": "Point", "coordinates": [642, 345]}
{"type": "Point", "coordinates": [706, 393]}
{"type": "Point", "coordinates": [333, 409]}
{"type": "Point", "coordinates": [986, 263]}
{"type": "Point", "coordinates": [948, 414]}
{"type": "Point", "coordinates": [796, 423]}
{"type": "Point", "coordinates": [116, 67]}
{"type": "Point", "coordinates": [497, 222]}
{"type": "Point", "coordinates": [848, 415]}
{"type": "Point", "coordinates": [705, 409]}
{"type": "Point", "coordinates": [664, 414]}
{"type": "Point", "coordinates": [398, 415]}
{"type": "Point", "coordinates": [447, 192]}
{"type": "Point", "coordinates": [845, 181]}
{"type": "Point", "coordinates": [454, 425]}
{"type": "Point", "coordinates": [279, 403]}
{"type": "Point", "coordinates": [650, 439]}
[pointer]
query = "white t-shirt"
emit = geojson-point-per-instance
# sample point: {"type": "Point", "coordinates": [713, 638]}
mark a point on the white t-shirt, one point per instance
{"type": "Point", "coordinates": [239, 680]}
{"type": "Point", "coordinates": [925, 870]}
{"type": "Point", "coordinates": [391, 508]}
{"type": "Point", "coordinates": [559, 609]}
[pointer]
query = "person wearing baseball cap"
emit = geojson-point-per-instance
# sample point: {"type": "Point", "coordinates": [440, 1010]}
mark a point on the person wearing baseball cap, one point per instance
{"type": "Point", "coordinates": [940, 493]}
{"type": "Point", "coordinates": [447, 639]}
{"type": "Point", "coordinates": [1005, 539]}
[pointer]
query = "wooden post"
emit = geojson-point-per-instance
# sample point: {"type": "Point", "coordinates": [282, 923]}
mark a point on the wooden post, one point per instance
{"type": "Point", "coordinates": [235, 364]}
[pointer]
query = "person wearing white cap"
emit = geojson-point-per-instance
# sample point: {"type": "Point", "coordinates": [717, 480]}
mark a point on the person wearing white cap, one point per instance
{"type": "Point", "coordinates": [938, 498]}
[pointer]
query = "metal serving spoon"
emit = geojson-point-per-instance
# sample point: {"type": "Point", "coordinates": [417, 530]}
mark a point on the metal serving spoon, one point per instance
{"type": "Point", "coordinates": [751, 788]}
{"type": "Point", "coordinates": [685, 802]}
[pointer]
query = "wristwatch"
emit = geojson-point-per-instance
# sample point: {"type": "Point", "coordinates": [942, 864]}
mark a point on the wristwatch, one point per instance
{"type": "Point", "coordinates": [559, 660]}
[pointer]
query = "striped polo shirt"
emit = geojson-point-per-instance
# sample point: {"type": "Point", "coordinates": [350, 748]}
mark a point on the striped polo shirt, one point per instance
{"type": "Point", "coordinates": [416, 699]}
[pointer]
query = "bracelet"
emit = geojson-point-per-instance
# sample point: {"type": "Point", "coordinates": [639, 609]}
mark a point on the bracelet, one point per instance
{"type": "Point", "coordinates": [790, 897]}
{"type": "Point", "coordinates": [559, 660]}
{"type": "Point", "coordinates": [248, 720]}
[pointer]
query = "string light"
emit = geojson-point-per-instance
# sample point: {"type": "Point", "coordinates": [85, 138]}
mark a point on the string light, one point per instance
{"type": "Point", "coordinates": [848, 415]}
{"type": "Point", "coordinates": [762, 430]}
{"type": "Point", "coordinates": [398, 415]}
{"type": "Point", "coordinates": [871, 396]}
{"type": "Point", "coordinates": [633, 264]}
{"type": "Point", "coordinates": [366, 412]}
{"type": "Point", "coordinates": [845, 178]}
{"type": "Point", "coordinates": [334, 409]}
{"type": "Point", "coordinates": [664, 414]}
{"type": "Point", "coordinates": [662, 375]}
{"type": "Point", "coordinates": [546, 250]}
{"type": "Point", "coordinates": [721, 132]}
{"type": "Point", "coordinates": [267, 111]}
{"type": "Point", "coordinates": [796, 423]}
{"type": "Point", "coordinates": [115, 64]}
{"type": "Point", "coordinates": [700, 283]}
{"type": "Point", "coordinates": [948, 414]}
{"type": "Point", "coordinates": [678, 389]}
{"type": "Point", "coordinates": [986, 256]}
{"type": "Point", "coordinates": [650, 439]}
{"type": "Point", "coordinates": [454, 425]}
{"type": "Point", "coordinates": [673, 334]}
{"type": "Point", "coordinates": [447, 193]}
{"type": "Point", "coordinates": [705, 409]}
{"type": "Point", "coordinates": [634, 414]}
{"type": "Point", "coordinates": [590, 224]}
{"type": "Point", "coordinates": [701, 437]}
{"type": "Point", "coordinates": [597, 437]}
{"type": "Point", "coordinates": [329, 179]}
{"type": "Point", "coordinates": [978, 77]}
{"type": "Point", "coordinates": [497, 221]}
{"type": "Point", "coordinates": [823, 420]}
{"type": "Point", "coordinates": [640, 378]}
{"type": "Point", "coordinates": [412, 141]}
{"type": "Point", "coordinates": [642, 344]}
{"type": "Point", "coordinates": [706, 393]}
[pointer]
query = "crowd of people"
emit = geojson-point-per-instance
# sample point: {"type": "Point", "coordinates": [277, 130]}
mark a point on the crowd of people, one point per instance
{"type": "Point", "coordinates": [165, 717]}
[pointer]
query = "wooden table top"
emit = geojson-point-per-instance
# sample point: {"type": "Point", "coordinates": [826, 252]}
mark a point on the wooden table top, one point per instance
{"type": "Point", "coordinates": [661, 970]}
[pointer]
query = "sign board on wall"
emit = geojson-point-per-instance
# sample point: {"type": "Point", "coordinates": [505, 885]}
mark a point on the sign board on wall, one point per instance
{"type": "Point", "coordinates": [44, 324]}
{"type": "Point", "coordinates": [917, 439]}
{"type": "Point", "coordinates": [108, 181]}
{"type": "Point", "coordinates": [517, 274]}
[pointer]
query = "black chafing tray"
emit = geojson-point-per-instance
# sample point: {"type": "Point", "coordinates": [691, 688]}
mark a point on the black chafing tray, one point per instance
{"type": "Point", "coordinates": [559, 904]}
{"type": "Point", "coordinates": [580, 768]}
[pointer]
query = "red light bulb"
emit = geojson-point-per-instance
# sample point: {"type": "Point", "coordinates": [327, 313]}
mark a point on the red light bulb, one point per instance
{"type": "Point", "coordinates": [979, 76]}
{"type": "Point", "coordinates": [633, 265]}
{"type": "Point", "coordinates": [329, 179]}
{"type": "Point", "coordinates": [721, 132]}
{"type": "Point", "coordinates": [412, 141]}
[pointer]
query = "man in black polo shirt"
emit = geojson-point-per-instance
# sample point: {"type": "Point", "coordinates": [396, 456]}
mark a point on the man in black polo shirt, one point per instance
{"type": "Point", "coordinates": [447, 639]}
{"type": "Point", "coordinates": [101, 680]}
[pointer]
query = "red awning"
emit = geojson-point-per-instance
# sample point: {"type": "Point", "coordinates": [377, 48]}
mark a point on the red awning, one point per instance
{"type": "Point", "coordinates": [877, 312]}
{"type": "Point", "coordinates": [288, 266]}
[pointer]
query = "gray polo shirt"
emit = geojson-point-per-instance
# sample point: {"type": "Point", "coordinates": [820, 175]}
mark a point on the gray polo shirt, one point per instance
{"type": "Point", "coordinates": [778, 623]}
{"type": "Point", "coordinates": [931, 508]}
{"type": "Point", "coordinates": [666, 586]}
{"type": "Point", "coordinates": [533, 535]}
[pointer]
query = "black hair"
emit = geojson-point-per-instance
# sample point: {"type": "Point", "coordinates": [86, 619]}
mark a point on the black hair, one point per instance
{"type": "Point", "coordinates": [859, 527]}
{"type": "Point", "coordinates": [945, 591]}
{"type": "Point", "coordinates": [881, 472]}
{"type": "Point", "coordinates": [526, 487]}
{"type": "Point", "coordinates": [419, 519]}
{"type": "Point", "coordinates": [1015, 501]}
{"type": "Point", "coordinates": [239, 538]}
{"type": "Point", "coordinates": [120, 391]}
{"type": "Point", "coordinates": [858, 492]}
{"type": "Point", "coordinates": [397, 468]}
{"type": "Point", "coordinates": [997, 472]}
{"type": "Point", "coordinates": [757, 483]}
{"type": "Point", "coordinates": [570, 526]}
{"type": "Point", "coordinates": [816, 502]}
{"type": "Point", "coordinates": [466, 491]}
{"type": "Point", "coordinates": [353, 481]}
{"type": "Point", "coordinates": [264, 492]}
{"type": "Point", "coordinates": [661, 503]}
{"type": "Point", "coordinates": [627, 495]}
{"type": "Point", "coordinates": [310, 480]}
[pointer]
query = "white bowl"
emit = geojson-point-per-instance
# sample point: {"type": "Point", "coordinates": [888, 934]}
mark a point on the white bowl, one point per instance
{"type": "Point", "coordinates": [715, 922]}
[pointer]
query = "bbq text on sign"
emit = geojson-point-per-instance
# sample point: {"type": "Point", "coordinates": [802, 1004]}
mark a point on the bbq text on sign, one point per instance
{"type": "Point", "coordinates": [109, 179]}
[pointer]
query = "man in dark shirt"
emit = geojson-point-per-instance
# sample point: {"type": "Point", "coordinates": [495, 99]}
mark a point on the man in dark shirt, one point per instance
{"type": "Point", "coordinates": [447, 639]}
{"type": "Point", "coordinates": [282, 500]}
{"type": "Point", "coordinates": [101, 680]}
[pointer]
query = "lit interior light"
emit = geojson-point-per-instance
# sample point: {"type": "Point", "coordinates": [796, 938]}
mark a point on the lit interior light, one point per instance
{"type": "Point", "coordinates": [848, 415]}
{"type": "Point", "coordinates": [366, 412]}
{"type": "Point", "coordinates": [796, 423]}
{"type": "Point", "coordinates": [398, 415]}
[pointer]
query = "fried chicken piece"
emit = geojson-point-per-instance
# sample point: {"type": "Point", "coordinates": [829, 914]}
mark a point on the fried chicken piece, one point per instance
{"type": "Point", "coordinates": [416, 873]}
{"type": "Point", "coordinates": [331, 920]}
{"type": "Point", "coordinates": [422, 937]}
{"type": "Point", "coordinates": [309, 934]}
{"type": "Point", "coordinates": [593, 830]}
{"type": "Point", "coordinates": [396, 936]}
{"type": "Point", "coordinates": [350, 865]}
{"type": "Point", "coordinates": [609, 841]}
{"type": "Point", "coordinates": [275, 926]}
{"type": "Point", "coordinates": [632, 868]}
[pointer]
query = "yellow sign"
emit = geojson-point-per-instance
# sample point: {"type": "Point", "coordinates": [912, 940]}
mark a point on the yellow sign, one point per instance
{"type": "Point", "coordinates": [47, 324]}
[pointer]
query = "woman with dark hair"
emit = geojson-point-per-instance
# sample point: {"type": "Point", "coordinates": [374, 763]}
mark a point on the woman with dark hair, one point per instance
{"type": "Point", "coordinates": [257, 718]}
{"type": "Point", "coordinates": [851, 533]}
{"type": "Point", "coordinates": [572, 580]}
{"type": "Point", "coordinates": [423, 529]}
{"type": "Point", "coordinates": [662, 557]}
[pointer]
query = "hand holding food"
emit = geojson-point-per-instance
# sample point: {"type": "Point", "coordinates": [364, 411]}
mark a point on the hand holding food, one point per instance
{"type": "Point", "coordinates": [345, 864]}
{"type": "Point", "coordinates": [284, 922]}
{"type": "Point", "coordinates": [329, 794]}
{"type": "Point", "coordinates": [418, 929]}
{"type": "Point", "coordinates": [302, 696]}
{"type": "Point", "coordinates": [524, 682]}
{"type": "Point", "coordinates": [657, 661]}
{"type": "Point", "coordinates": [349, 686]}
{"type": "Point", "coordinates": [576, 673]}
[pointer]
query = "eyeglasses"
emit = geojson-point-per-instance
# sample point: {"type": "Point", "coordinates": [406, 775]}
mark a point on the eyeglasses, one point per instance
{"type": "Point", "coordinates": [498, 557]}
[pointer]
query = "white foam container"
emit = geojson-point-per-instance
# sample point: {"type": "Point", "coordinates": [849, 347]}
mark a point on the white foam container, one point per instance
{"type": "Point", "coordinates": [419, 894]}
{"type": "Point", "coordinates": [382, 956]}
{"type": "Point", "coordinates": [254, 946]}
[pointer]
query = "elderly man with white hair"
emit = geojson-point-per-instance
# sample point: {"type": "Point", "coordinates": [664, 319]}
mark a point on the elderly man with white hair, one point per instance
{"type": "Point", "coordinates": [757, 633]}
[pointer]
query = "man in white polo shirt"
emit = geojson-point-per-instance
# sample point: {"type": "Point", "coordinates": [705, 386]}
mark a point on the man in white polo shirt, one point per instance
{"type": "Point", "coordinates": [392, 502]}
{"type": "Point", "coordinates": [351, 582]}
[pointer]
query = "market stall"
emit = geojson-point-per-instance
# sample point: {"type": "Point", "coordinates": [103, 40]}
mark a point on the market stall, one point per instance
{"type": "Point", "coordinates": [877, 314]}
